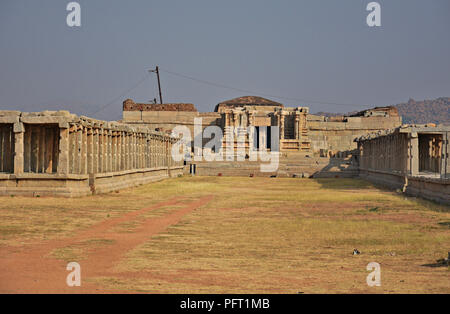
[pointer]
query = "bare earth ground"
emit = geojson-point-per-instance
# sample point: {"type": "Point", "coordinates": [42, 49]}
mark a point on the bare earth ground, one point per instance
{"type": "Point", "coordinates": [226, 235]}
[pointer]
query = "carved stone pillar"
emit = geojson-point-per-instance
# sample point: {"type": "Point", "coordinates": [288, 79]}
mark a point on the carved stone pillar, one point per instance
{"type": "Point", "coordinates": [282, 114]}
{"type": "Point", "coordinates": [18, 130]}
{"type": "Point", "coordinates": [414, 154]}
{"type": "Point", "coordinates": [297, 125]}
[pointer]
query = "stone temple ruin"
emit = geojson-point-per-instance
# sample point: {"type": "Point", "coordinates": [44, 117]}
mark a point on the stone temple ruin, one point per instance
{"type": "Point", "coordinates": [58, 153]}
{"type": "Point", "coordinates": [300, 131]}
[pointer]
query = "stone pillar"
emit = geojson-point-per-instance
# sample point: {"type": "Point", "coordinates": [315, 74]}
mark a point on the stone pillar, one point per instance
{"type": "Point", "coordinates": [444, 155]}
{"type": "Point", "coordinates": [158, 150]}
{"type": "Point", "coordinates": [90, 150]}
{"type": "Point", "coordinates": [282, 114]}
{"type": "Point", "coordinates": [144, 150]}
{"type": "Point", "coordinates": [95, 151]}
{"type": "Point", "coordinates": [447, 155]}
{"type": "Point", "coordinates": [116, 151]}
{"type": "Point", "coordinates": [250, 118]}
{"type": "Point", "coordinates": [63, 157]}
{"type": "Point", "coordinates": [226, 119]}
{"type": "Point", "coordinates": [18, 130]}
{"type": "Point", "coordinates": [161, 151]}
{"type": "Point", "coordinates": [27, 149]}
{"type": "Point", "coordinates": [112, 142]}
{"type": "Point", "coordinates": [134, 150]}
{"type": "Point", "coordinates": [167, 155]}
{"type": "Point", "coordinates": [150, 147]}
{"type": "Point", "coordinates": [109, 150]}
{"type": "Point", "coordinates": [84, 153]}
{"type": "Point", "coordinates": [124, 150]}
{"type": "Point", "coordinates": [297, 126]}
{"type": "Point", "coordinates": [141, 155]}
{"type": "Point", "coordinates": [79, 143]}
{"type": "Point", "coordinates": [72, 147]}
{"type": "Point", "coordinates": [41, 156]}
{"type": "Point", "coordinates": [101, 151]}
{"type": "Point", "coordinates": [414, 153]}
{"type": "Point", "coordinates": [105, 150]}
{"type": "Point", "coordinates": [149, 151]}
{"type": "Point", "coordinates": [129, 148]}
{"type": "Point", "coordinates": [137, 150]}
{"type": "Point", "coordinates": [153, 152]}
{"type": "Point", "coordinates": [119, 151]}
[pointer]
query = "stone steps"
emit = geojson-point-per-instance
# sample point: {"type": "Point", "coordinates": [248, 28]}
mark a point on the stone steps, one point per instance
{"type": "Point", "coordinates": [299, 167]}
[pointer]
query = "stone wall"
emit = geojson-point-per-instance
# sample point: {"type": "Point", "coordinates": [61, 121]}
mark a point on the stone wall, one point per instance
{"type": "Point", "coordinates": [331, 137]}
{"type": "Point", "coordinates": [58, 153]}
{"type": "Point", "coordinates": [433, 189]}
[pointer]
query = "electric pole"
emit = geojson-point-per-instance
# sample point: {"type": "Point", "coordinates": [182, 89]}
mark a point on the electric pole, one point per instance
{"type": "Point", "coordinates": [159, 83]}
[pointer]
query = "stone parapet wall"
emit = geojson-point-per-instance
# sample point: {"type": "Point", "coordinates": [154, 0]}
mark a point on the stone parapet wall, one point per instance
{"type": "Point", "coordinates": [437, 190]}
{"type": "Point", "coordinates": [130, 105]}
{"type": "Point", "coordinates": [331, 137]}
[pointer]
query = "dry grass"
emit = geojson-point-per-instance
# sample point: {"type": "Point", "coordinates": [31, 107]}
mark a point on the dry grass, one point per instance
{"type": "Point", "coordinates": [258, 235]}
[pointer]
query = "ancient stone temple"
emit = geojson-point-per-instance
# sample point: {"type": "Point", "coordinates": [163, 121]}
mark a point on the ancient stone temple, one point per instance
{"type": "Point", "coordinates": [299, 131]}
{"type": "Point", "coordinates": [261, 113]}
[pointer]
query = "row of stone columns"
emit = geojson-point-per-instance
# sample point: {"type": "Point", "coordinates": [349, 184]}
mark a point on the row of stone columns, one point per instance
{"type": "Point", "coordinates": [386, 153]}
{"type": "Point", "coordinates": [298, 123]}
{"type": "Point", "coordinates": [245, 118]}
{"type": "Point", "coordinates": [101, 150]}
{"type": "Point", "coordinates": [242, 118]}
{"type": "Point", "coordinates": [61, 143]}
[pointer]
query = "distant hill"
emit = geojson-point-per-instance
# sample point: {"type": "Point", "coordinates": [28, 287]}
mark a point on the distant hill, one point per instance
{"type": "Point", "coordinates": [420, 112]}
{"type": "Point", "coordinates": [435, 111]}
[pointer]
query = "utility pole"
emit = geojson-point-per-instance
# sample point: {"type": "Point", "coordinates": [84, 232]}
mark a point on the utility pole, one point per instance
{"type": "Point", "coordinates": [159, 83]}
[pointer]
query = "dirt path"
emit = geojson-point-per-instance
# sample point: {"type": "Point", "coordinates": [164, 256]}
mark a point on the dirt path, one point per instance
{"type": "Point", "coordinates": [29, 269]}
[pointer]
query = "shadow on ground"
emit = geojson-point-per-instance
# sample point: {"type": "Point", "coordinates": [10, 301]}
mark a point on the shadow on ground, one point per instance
{"type": "Point", "coordinates": [343, 183]}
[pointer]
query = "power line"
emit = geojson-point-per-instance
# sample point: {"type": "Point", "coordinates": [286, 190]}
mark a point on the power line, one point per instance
{"type": "Point", "coordinates": [123, 94]}
{"type": "Point", "coordinates": [256, 93]}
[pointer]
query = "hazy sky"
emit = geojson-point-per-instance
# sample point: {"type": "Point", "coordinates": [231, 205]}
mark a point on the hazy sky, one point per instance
{"type": "Point", "coordinates": [308, 51]}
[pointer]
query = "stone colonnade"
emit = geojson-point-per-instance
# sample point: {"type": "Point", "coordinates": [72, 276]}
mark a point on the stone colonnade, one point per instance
{"type": "Point", "coordinates": [386, 153]}
{"type": "Point", "coordinates": [413, 151]}
{"type": "Point", "coordinates": [62, 143]}
{"type": "Point", "coordinates": [90, 147]}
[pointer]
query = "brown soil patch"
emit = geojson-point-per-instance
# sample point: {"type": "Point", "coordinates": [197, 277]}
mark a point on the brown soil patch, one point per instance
{"type": "Point", "coordinates": [30, 269]}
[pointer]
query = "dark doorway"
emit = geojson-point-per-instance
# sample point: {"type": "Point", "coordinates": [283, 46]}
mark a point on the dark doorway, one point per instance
{"type": "Point", "coordinates": [262, 130]}
{"type": "Point", "coordinates": [430, 150]}
{"type": "Point", "coordinates": [7, 148]}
